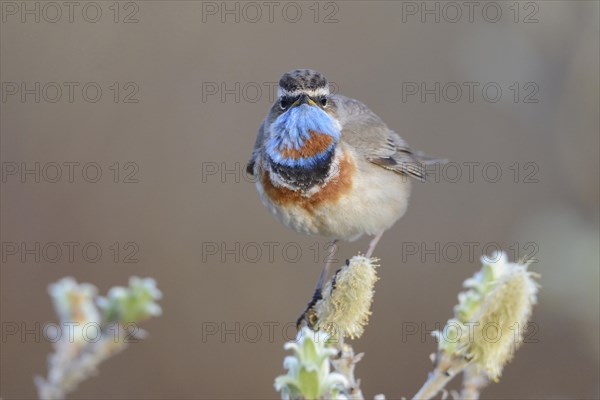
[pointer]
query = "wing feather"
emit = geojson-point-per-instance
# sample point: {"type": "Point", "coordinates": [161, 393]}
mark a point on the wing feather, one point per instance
{"type": "Point", "coordinates": [256, 150]}
{"type": "Point", "coordinates": [371, 137]}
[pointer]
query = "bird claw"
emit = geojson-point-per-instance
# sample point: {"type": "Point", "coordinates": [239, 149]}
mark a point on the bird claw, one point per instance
{"type": "Point", "coordinates": [309, 315]}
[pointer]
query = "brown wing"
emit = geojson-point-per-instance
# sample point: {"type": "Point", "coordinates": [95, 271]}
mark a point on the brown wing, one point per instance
{"type": "Point", "coordinates": [371, 137]}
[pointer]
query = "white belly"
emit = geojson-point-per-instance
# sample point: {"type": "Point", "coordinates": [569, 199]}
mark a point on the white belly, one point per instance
{"type": "Point", "coordinates": [375, 200]}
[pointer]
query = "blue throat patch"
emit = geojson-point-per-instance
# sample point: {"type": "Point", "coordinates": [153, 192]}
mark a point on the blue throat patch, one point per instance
{"type": "Point", "coordinates": [291, 129]}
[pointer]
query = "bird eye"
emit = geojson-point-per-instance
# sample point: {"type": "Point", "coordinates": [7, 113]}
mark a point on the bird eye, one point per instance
{"type": "Point", "coordinates": [323, 101]}
{"type": "Point", "coordinates": [284, 103]}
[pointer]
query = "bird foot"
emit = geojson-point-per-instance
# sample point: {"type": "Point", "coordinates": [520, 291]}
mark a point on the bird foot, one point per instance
{"type": "Point", "coordinates": [309, 315]}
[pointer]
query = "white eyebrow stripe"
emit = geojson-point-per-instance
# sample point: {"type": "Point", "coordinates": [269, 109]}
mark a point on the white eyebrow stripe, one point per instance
{"type": "Point", "coordinates": [312, 93]}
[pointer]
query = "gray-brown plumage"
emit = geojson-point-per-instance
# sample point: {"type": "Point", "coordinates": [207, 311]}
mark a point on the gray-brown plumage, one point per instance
{"type": "Point", "coordinates": [326, 164]}
{"type": "Point", "coordinates": [366, 132]}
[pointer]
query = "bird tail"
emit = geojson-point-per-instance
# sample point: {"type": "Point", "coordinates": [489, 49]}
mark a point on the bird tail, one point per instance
{"type": "Point", "coordinates": [428, 159]}
{"type": "Point", "coordinates": [425, 160]}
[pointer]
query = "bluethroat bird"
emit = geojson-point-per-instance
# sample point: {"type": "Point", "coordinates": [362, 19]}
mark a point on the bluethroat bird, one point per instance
{"type": "Point", "coordinates": [326, 164]}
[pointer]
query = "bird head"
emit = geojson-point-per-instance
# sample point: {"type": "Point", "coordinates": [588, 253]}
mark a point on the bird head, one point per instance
{"type": "Point", "coordinates": [303, 130]}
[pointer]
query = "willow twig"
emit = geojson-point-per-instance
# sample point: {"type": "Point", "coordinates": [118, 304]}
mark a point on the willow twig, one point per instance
{"type": "Point", "coordinates": [473, 383]}
{"type": "Point", "coordinates": [447, 367]}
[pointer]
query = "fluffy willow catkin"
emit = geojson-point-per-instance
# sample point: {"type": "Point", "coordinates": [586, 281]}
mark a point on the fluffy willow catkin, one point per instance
{"type": "Point", "coordinates": [347, 297]}
{"type": "Point", "coordinates": [77, 356]}
{"type": "Point", "coordinates": [492, 315]}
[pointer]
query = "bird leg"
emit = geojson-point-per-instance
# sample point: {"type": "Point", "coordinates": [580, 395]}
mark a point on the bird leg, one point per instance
{"type": "Point", "coordinates": [309, 314]}
{"type": "Point", "coordinates": [373, 244]}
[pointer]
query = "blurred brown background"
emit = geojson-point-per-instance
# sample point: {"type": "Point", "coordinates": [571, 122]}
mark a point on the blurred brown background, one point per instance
{"type": "Point", "coordinates": [195, 78]}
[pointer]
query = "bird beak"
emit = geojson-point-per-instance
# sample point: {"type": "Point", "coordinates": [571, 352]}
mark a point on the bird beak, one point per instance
{"type": "Point", "coordinates": [304, 99]}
